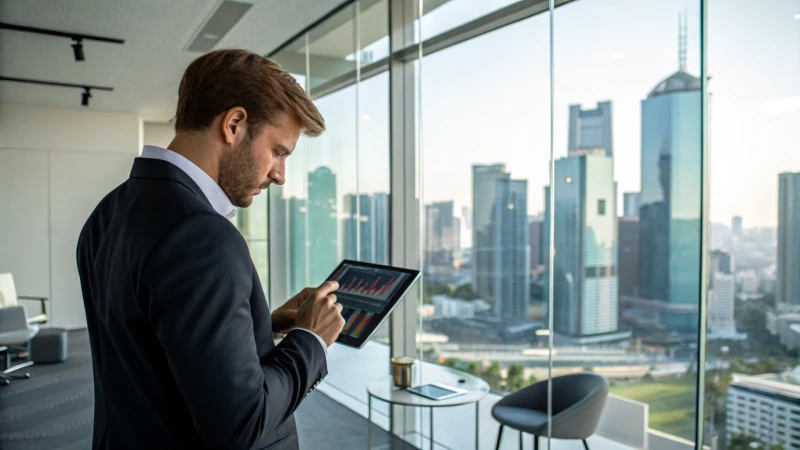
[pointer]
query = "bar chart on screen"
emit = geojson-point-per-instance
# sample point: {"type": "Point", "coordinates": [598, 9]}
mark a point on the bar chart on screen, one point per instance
{"type": "Point", "coordinates": [374, 284]}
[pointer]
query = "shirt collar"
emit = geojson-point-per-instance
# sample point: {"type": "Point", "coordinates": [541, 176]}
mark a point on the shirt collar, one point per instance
{"type": "Point", "coordinates": [215, 195]}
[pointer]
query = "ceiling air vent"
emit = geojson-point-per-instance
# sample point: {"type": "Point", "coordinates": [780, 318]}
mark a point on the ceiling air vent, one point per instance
{"type": "Point", "coordinates": [221, 20]}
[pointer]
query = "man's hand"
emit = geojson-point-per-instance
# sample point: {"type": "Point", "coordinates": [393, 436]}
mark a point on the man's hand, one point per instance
{"type": "Point", "coordinates": [321, 314]}
{"type": "Point", "coordinates": [284, 317]}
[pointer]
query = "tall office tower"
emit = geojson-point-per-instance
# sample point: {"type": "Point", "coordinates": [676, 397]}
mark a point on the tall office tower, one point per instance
{"type": "Point", "coordinates": [366, 229]}
{"type": "Point", "coordinates": [670, 223]}
{"type": "Point", "coordinates": [536, 242]}
{"type": "Point", "coordinates": [628, 256]}
{"type": "Point", "coordinates": [322, 226]}
{"type": "Point", "coordinates": [380, 219]}
{"type": "Point", "coordinates": [440, 238]}
{"type": "Point", "coordinates": [630, 204]}
{"type": "Point", "coordinates": [736, 226]}
{"type": "Point", "coordinates": [722, 302]}
{"type": "Point", "coordinates": [721, 262]}
{"type": "Point", "coordinates": [510, 249]}
{"type": "Point", "coordinates": [484, 181]}
{"type": "Point", "coordinates": [500, 242]}
{"type": "Point", "coordinates": [789, 239]}
{"type": "Point", "coordinates": [590, 128]}
{"type": "Point", "coordinates": [585, 289]}
{"type": "Point", "coordinates": [297, 245]}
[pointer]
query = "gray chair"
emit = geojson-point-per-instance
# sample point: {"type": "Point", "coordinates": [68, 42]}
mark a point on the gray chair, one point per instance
{"type": "Point", "coordinates": [14, 333]}
{"type": "Point", "coordinates": [578, 402]}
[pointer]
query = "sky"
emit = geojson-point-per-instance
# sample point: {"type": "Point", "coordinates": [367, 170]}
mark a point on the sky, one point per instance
{"type": "Point", "coordinates": [488, 100]}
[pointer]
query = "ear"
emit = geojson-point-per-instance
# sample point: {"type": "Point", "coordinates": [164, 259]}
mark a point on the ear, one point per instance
{"type": "Point", "coordinates": [234, 125]}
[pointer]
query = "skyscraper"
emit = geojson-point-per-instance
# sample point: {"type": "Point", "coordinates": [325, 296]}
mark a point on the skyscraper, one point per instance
{"type": "Point", "coordinates": [511, 250]}
{"type": "Point", "coordinates": [370, 243]}
{"type": "Point", "coordinates": [500, 240]}
{"type": "Point", "coordinates": [670, 223]}
{"type": "Point", "coordinates": [736, 226]}
{"type": "Point", "coordinates": [297, 245]}
{"type": "Point", "coordinates": [590, 128]}
{"type": "Point", "coordinates": [484, 181]}
{"type": "Point", "coordinates": [536, 242]}
{"type": "Point", "coordinates": [788, 281]}
{"type": "Point", "coordinates": [440, 237]}
{"type": "Point", "coordinates": [585, 286]}
{"type": "Point", "coordinates": [722, 302]}
{"type": "Point", "coordinates": [721, 262]}
{"type": "Point", "coordinates": [322, 226]}
{"type": "Point", "coordinates": [630, 204]}
{"type": "Point", "coordinates": [628, 256]}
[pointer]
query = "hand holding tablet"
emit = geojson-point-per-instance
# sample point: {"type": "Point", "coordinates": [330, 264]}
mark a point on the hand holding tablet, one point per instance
{"type": "Point", "coordinates": [321, 314]}
{"type": "Point", "coordinates": [367, 294]}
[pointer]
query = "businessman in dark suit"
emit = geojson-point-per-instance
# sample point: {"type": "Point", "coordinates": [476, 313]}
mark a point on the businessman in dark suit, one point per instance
{"type": "Point", "coordinates": [180, 331]}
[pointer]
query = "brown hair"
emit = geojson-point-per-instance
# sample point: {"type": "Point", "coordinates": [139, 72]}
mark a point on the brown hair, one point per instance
{"type": "Point", "coordinates": [224, 79]}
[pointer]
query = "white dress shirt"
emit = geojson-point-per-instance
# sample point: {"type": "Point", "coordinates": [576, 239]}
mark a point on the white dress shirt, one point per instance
{"type": "Point", "coordinates": [215, 195]}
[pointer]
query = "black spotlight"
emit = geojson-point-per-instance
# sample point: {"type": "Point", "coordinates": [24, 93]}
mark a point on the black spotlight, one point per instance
{"type": "Point", "coordinates": [85, 97]}
{"type": "Point", "coordinates": [77, 50]}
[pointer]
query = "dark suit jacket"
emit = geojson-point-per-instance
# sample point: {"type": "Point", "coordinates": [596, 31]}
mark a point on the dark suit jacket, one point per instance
{"type": "Point", "coordinates": [179, 327]}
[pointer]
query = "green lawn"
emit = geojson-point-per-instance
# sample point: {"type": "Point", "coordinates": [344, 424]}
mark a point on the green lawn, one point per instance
{"type": "Point", "coordinates": [672, 404]}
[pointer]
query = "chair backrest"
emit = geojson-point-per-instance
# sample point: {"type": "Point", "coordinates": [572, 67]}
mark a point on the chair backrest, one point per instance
{"type": "Point", "coordinates": [13, 319]}
{"type": "Point", "coordinates": [8, 293]}
{"type": "Point", "coordinates": [574, 388]}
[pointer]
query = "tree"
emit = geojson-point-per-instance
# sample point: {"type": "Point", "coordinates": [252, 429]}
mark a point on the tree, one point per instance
{"type": "Point", "coordinates": [515, 377]}
{"type": "Point", "coordinates": [588, 368]}
{"type": "Point", "coordinates": [744, 441]}
{"type": "Point", "coordinates": [493, 376]}
{"type": "Point", "coordinates": [648, 377]}
{"type": "Point", "coordinates": [532, 380]}
{"type": "Point", "coordinates": [465, 292]}
{"type": "Point", "coordinates": [473, 368]}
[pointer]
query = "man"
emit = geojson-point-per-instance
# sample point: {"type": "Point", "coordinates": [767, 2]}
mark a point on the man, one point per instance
{"type": "Point", "coordinates": [180, 331]}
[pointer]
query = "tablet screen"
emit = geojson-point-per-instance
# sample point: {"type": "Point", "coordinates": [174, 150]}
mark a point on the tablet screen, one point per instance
{"type": "Point", "coordinates": [368, 293]}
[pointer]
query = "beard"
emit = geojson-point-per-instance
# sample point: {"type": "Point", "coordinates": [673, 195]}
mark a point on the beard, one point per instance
{"type": "Point", "coordinates": [238, 176]}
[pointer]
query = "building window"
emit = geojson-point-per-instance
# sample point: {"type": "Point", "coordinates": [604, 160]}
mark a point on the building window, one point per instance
{"type": "Point", "coordinates": [601, 207]}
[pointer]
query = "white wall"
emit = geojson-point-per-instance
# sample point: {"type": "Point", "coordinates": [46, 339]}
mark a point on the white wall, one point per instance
{"type": "Point", "coordinates": [55, 166]}
{"type": "Point", "coordinates": [158, 134]}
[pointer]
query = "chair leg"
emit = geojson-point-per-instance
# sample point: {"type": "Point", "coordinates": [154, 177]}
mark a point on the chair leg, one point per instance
{"type": "Point", "coordinates": [499, 437]}
{"type": "Point", "coordinates": [535, 442]}
{"type": "Point", "coordinates": [521, 446]}
{"type": "Point", "coordinates": [585, 444]}
{"type": "Point", "coordinates": [4, 379]}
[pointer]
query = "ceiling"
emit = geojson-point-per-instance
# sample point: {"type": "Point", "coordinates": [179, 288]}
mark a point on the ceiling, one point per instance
{"type": "Point", "coordinates": [146, 70]}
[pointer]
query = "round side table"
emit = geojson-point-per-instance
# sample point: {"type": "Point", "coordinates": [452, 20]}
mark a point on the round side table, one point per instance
{"type": "Point", "coordinates": [383, 389]}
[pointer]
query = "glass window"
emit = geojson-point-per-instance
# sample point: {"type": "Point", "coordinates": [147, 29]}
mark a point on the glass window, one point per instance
{"type": "Point", "coordinates": [335, 203]}
{"type": "Point", "coordinates": [627, 197]}
{"type": "Point", "coordinates": [754, 228]}
{"type": "Point", "coordinates": [483, 220]}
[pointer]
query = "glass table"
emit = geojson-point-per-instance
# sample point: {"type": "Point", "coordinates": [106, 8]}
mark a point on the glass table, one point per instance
{"type": "Point", "coordinates": [383, 389]}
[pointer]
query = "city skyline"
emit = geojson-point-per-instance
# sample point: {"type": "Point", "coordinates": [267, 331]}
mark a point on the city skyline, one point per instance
{"type": "Point", "coordinates": [623, 71]}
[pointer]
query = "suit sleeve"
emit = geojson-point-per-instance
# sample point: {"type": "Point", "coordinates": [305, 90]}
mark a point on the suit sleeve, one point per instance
{"type": "Point", "coordinates": [198, 282]}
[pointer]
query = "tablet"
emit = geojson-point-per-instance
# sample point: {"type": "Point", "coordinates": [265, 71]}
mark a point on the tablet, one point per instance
{"type": "Point", "coordinates": [368, 294]}
{"type": "Point", "coordinates": [436, 391]}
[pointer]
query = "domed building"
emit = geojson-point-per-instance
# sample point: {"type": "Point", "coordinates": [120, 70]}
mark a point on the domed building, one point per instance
{"type": "Point", "coordinates": [670, 225]}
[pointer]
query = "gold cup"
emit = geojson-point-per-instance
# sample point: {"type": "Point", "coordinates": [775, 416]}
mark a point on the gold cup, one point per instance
{"type": "Point", "coordinates": [402, 371]}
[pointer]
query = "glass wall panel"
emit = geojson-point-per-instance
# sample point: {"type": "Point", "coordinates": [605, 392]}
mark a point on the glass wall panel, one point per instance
{"type": "Point", "coordinates": [485, 162]}
{"type": "Point", "coordinates": [751, 375]}
{"type": "Point", "coordinates": [627, 206]}
{"type": "Point", "coordinates": [335, 203]}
